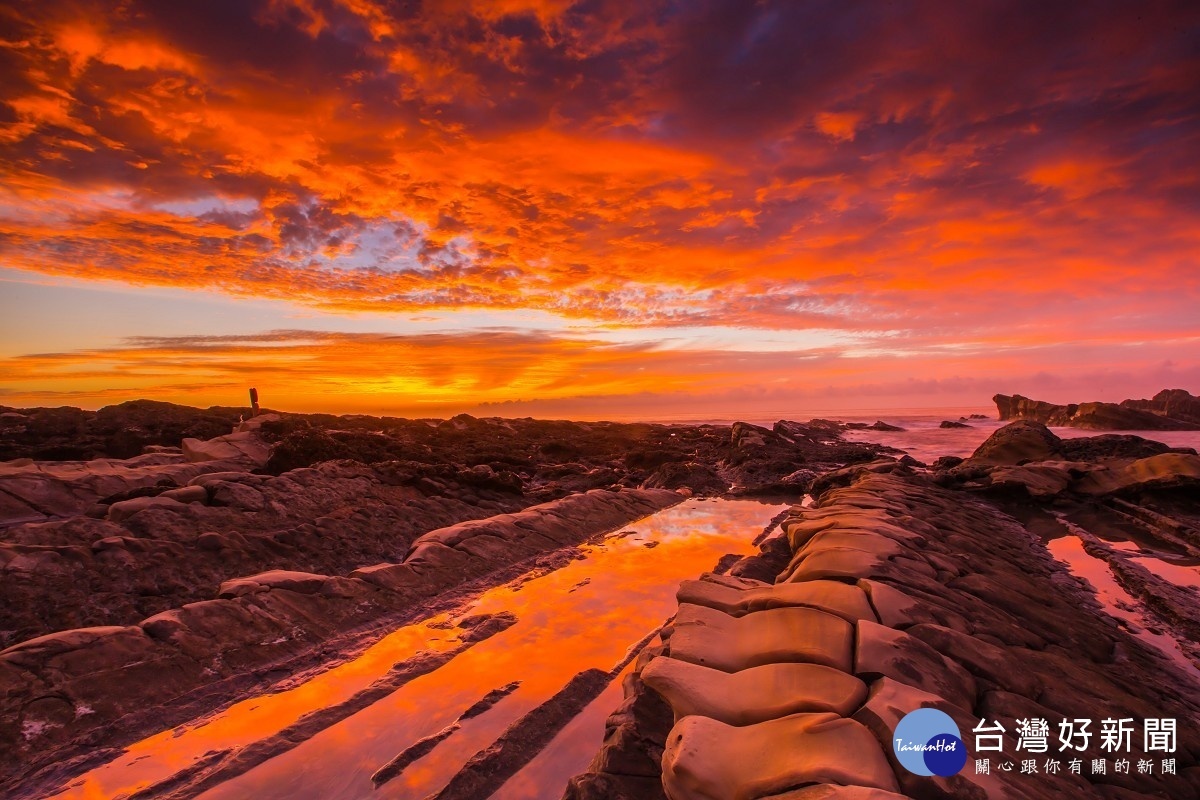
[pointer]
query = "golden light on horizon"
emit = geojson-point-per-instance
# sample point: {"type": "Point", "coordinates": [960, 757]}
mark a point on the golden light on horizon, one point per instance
{"type": "Point", "coordinates": [600, 167]}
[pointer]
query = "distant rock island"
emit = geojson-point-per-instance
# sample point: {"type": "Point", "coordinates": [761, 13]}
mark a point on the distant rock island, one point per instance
{"type": "Point", "coordinates": [1169, 410]}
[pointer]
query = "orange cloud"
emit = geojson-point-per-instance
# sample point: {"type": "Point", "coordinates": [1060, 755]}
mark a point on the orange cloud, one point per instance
{"type": "Point", "coordinates": [1078, 178]}
{"type": "Point", "coordinates": [636, 165]}
{"type": "Point", "coordinates": [512, 373]}
{"type": "Point", "coordinates": [839, 125]}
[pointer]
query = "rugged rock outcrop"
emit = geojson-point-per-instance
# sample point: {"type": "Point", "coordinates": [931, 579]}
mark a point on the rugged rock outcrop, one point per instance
{"type": "Point", "coordinates": [153, 553]}
{"type": "Point", "coordinates": [1018, 443]}
{"type": "Point", "coordinates": [1027, 459]}
{"type": "Point", "coordinates": [1019, 407]}
{"type": "Point", "coordinates": [36, 491]}
{"type": "Point", "coordinates": [952, 604]}
{"type": "Point", "coordinates": [700, 478]}
{"type": "Point", "coordinates": [1172, 403]}
{"type": "Point", "coordinates": [1027, 441]}
{"type": "Point", "coordinates": [1170, 409]}
{"type": "Point", "coordinates": [70, 688]}
{"type": "Point", "coordinates": [545, 458]}
{"type": "Point", "coordinates": [120, 431]}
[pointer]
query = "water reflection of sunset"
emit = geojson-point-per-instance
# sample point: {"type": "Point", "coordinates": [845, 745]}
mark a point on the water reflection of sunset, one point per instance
{"type": "Point", "coordinates": [585, 615]}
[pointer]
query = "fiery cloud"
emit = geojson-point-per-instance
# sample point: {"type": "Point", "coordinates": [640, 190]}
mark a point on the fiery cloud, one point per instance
{"type": "Point", "coordinates": [996, 173]}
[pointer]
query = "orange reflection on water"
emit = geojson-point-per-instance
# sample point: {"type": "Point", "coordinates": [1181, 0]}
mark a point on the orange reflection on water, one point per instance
{"type": "Point", "coordinates": [164, 754]}
{"type": "Point", "coordinates": [565, 626]}
{"type": "Point", "coordinates": [568, 752]}
{"type": "Point", "coordinates": [1180, 574]}
{"type": "Point", "coordinates": [1117, 602]}
{"type": "Point", "coordinates": [584, 615]}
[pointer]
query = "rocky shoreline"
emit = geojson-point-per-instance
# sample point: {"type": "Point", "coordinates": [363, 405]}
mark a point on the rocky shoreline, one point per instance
{"type": "Point", "coordinates": [144, 591]}
{"type": "Point", "coordinates": [111, 541]}
{"type": "Point", "coordinates": [183, 577]}
{"type": "Point", "coordinates": [68, 691]}
{"type": "Point", "coordinates": [908, 589]}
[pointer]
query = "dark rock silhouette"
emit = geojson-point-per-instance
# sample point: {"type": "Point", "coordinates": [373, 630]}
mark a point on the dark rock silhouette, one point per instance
{"type": "Point", "coordinates": [1170, 409]}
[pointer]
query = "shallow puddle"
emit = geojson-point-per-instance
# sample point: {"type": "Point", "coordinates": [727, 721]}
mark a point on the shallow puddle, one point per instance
{"type": "Point", "coordinates": [585, 615]}
{"type": "Point", "coordinates": [1183, 575]}
{"type": "Point", "coordinates": [546, 775]}
{"type": "Point", "coordinates": [1117, 602]}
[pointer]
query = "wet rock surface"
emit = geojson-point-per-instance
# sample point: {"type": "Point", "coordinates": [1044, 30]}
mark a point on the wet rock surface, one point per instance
{"type": "Point", "coordinates": [105, 680]}
{"type": "Point", "coordinates": [210, 561]}
{"type": "Point", "coordinates": [969, 613]}
{"type": "Point", "coordinates": [167, 550]}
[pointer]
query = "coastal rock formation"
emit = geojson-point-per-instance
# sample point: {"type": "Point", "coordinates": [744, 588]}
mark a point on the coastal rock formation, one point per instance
{"type": "Point", "coordinates": [1011, 407]}
{"type": "Point", "coordinates": [220, 550]}
{"type": "Point", "coordinates": [151, 553]}
{"type": "Point", "coordinates": [541, 459]}
{"type": "Point", "coordinates": [899, 588]}
{"type": "Point", "coordinates": [739, 599]}
{"type": "Point", "coordinates": [1026, 458]}
{"type": "Point", "coordinates": [968, 614]}
{"type": "Point", "coordinates": [1018, 443]}
{"type": "Point", "coordinates": [692, 475]}
{"type": "Point", "coordinates": [714, 639]}
{"type": "Point", "coordinates": [1025, 441]}
{"type": "Point", "coordinates": [1170, 409]}
{"type": "Point", "coordinates": [878, 425]}
{"type": "Point", "coordinates": [121, 431]}
{"type": "Point", "coordinates": [443, 558]}
{"type": "Point", "coordinates": [549, 459]}
{"type": "Point", "coordinates": [707, 759]}
{"type": "Point", "coordinates": [121, 673]}
{"type": "Point", "coordinates": [757, 694]}
{"type": "Point", "coordinates": [1172, 403]}
{"type": "Point", "coordinates": [40, 491]}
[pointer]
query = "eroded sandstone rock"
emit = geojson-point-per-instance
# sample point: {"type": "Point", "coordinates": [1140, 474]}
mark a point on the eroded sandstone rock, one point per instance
{"type": "Point", "coordinates": [243, 446]}
{"type": "Point", "coordinates": [883, 652]}
{"type": "Point", "coordinates": [714, 639]}
{"type": "Point", "coordinates": [848, 602]}
{"type": "Point", "coordinates": [1170, 409]}
{"type": "Point", "coordinates": [119, 512]}
{"type": "Point", "coordinates": [753, 695]}
{"type": "Point", "coordinates": [709, 760]}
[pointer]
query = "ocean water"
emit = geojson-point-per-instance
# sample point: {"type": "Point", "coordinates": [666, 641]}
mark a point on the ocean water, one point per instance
{"type": "Point", "coordinates": [922, 437]}
{"type": "Point", "coordinates": [924, 440]}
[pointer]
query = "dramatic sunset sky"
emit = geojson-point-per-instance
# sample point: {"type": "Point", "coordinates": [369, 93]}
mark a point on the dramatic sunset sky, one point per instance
{"type": "Point", "coordinates": [591, 209]}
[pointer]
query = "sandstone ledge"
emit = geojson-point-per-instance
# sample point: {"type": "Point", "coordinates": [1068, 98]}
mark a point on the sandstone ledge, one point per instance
{"type": "Point", "coordinates": [968, 614]}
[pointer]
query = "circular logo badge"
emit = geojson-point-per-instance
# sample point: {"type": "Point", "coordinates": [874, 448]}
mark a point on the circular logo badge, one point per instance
{"type": "Point", "coordinates": [927, 742]}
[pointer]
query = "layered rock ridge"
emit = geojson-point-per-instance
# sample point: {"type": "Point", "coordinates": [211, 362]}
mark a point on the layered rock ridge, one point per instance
{"type": "Point", "coordinates": [65, 693]}
{"type": "Point", "coordinates": [899, 595]}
